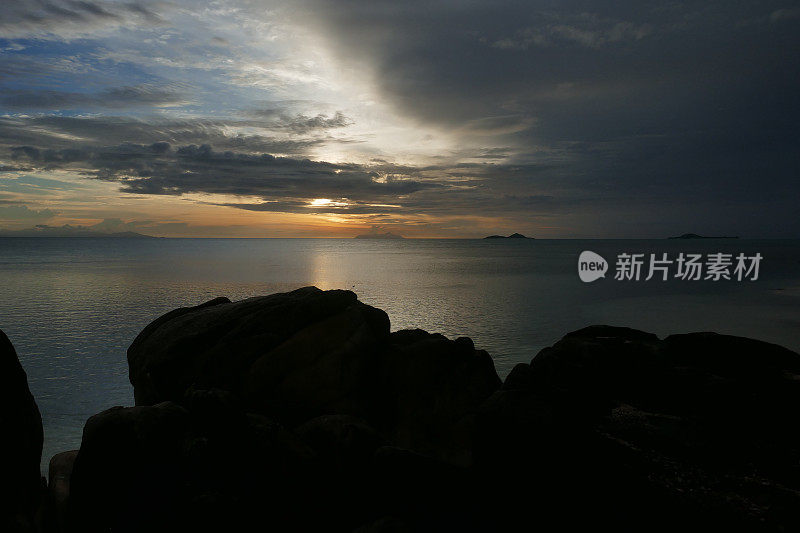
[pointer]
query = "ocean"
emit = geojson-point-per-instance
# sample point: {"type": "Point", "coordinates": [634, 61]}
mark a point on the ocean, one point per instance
{"type": "Point", "coordinates": [72, 306]}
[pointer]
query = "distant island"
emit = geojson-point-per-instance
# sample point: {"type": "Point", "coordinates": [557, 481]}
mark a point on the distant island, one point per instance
{"type": "Point", "coordinates": [512, 236]}
{"type": "Point", "coordinates": [375, 235]}
{"type": "Point", "coordinates": [696, 236]}
{"type": "Point", "coordinates": [72, 231]}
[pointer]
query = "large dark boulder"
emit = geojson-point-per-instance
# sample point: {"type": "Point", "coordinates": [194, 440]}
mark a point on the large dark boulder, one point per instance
{"type": "Point", "coordinates": [431, 385]}
{"type": "Point", "coordinates": [308, 353]}
{"type": "Point", "coordinates": [209, 466]}
{"type": "Point", "coordinates": [58, 486]}
{"type": "Point", "coordinates": [427, 493]}
{"type": "Point", "coordinates": [325, 368]}
{"type": "Point", "coordinates": [598, 364]}
{"type": "Point", "coordinates": [217, 385]}
{"type": "Point", "coordinates": [20, 444]}
{"type": "Point", "coordinates": [695, 430]}
{"type": "Point", "coordinates": [346, 443]}
{"type": "Point", "coordinates": [293, 355]}
{"type": "Point", "coordinates": [386, 524]}
{"type": "Point", "coordinates": [129, 470]}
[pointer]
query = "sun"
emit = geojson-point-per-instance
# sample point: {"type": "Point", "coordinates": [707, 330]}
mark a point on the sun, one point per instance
{"type": "Point", "coordinates": [327, 202]}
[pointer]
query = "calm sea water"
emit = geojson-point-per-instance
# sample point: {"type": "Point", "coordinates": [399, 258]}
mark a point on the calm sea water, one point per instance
{"type": "Point", "coordinates": [72, 306]}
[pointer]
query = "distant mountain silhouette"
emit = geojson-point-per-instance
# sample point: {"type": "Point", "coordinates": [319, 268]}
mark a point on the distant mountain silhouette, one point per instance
{"type": "Point", "coordinates": [375, 235]}
{"type": "Point", "coordinates": [696, 236]}
{"type": "Point", "coordinates": [512, 236]}
{"type": "Point", "coordinates": [71, 231]}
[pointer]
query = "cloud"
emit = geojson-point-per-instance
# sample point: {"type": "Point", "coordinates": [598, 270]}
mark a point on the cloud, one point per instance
{"type": "Point", "coordinates": [114, 98]}
{"type": "Point", "coordinates": [636, 101]}
{"type": "Point", "coordinates": [583, 29]}
{"type": "Point", "coordinates": [22, 213]}
{"type": "Point", "coordinates": [340, 207]}
{"type": "Point", "coordinates": [23, 183]}
{"type": "Point", "coordinates": [14, 168]}
{"type": "Point", "coordinates": [160, 169]}
{"type": "Point", "coordinates": [299, 123]}
{"type": "Point", "coordinates": [608, 112]}
{"type": "Point", "coordinates": [58, 132]}
{"type": "Point", "coordinates": [499, 125]}
{"type": "Point", "coordinates": [784, 14]}
{"type": "Point", "coordinates": [66, 230]}
{"type": "Point", "coordinates": [72, 18]}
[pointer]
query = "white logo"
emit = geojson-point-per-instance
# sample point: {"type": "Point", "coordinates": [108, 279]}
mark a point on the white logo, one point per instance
{"type": "Point", "coordinates": [591, 266]}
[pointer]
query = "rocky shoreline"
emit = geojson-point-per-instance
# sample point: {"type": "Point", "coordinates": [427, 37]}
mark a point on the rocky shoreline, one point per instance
{"type": "Point", "coordinates": [301, 411]}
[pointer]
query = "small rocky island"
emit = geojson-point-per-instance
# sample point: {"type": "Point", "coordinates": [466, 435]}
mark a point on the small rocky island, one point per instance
{"type": "Point", "coordinates": [696, 236]}
{"type": "Point", "coordinates": [512, 236]}
{"type": "Point", "coordinates": [303, 411]}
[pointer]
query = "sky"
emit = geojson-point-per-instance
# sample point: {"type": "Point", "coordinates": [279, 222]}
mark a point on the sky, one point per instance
{"type": "Point", "coordinates": [249, 118]}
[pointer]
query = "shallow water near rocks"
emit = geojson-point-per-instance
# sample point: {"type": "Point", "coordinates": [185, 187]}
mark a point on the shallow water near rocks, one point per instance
{"type": "Point", "coordinates": [72, 306]}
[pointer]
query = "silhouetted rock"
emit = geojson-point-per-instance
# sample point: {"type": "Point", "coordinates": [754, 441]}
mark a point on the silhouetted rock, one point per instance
{"type": "Point", "coordinates": [512, 236]}
{"type": "Point", "coordinates": [307, 353]}
{"type": "Point", "coordinates": [695, 429]}
{"type": "Point", "coordinates": [431, 384]}
{"type": "Point", "coordinates": [20, 444]}
{"type": "Point", "coordinates": [426, 493]}
{"type": "Point", "coordinates": [598, 363]}
{"type": "Point", "coordinates": [696, 236]}
{"type": "Point", "coordinates": [129, 471]}
{"type": "Point", "coordinates": [386, 524]}
{"type": "Point", "coordinates": [166, 468]}
{"type": "Point", "coordinates": [292, 355]}
{"type": "Point", "coordinates": [347, 443]}
{"type": "Point", "coordinates": [325, 367]}
{"type": "Point", "coordinates": [229, 375]}
{"type": "Point", "coordinates": [410, 431]}
{"type": "Point", "coordinates": [520, 377]}
{"type": "Point", "coordinates": [344, 489]}
{"type": "Point", "coordinates": [58, 484]}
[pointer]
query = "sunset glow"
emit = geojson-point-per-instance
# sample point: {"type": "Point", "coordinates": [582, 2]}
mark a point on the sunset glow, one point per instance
{"type": "Point", "coordinates": [304, 119]}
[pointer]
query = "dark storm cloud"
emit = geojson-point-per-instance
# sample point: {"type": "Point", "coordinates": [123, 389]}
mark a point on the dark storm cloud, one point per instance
{"type": "Point", "coordinates": [12, 168]}
{"type": "Point", "coordinates": [690, 102]}
{"type": "Point", "coordinates": [161, 169]}
{"type": "Point", "coordinates": [116, 97]}
{"type": "Point", "coordinates": [200, 169]}
{"type": "Point", "coordinates": [615, 117]}
{"type": "Point", "coordinates": [57, 132]}
{"type": "Point", "coordinates": [177, 157]}
{"type": "Point", "coordinates": [161, 164]}
{"type": "Point", "coordinates": [442, 61]}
